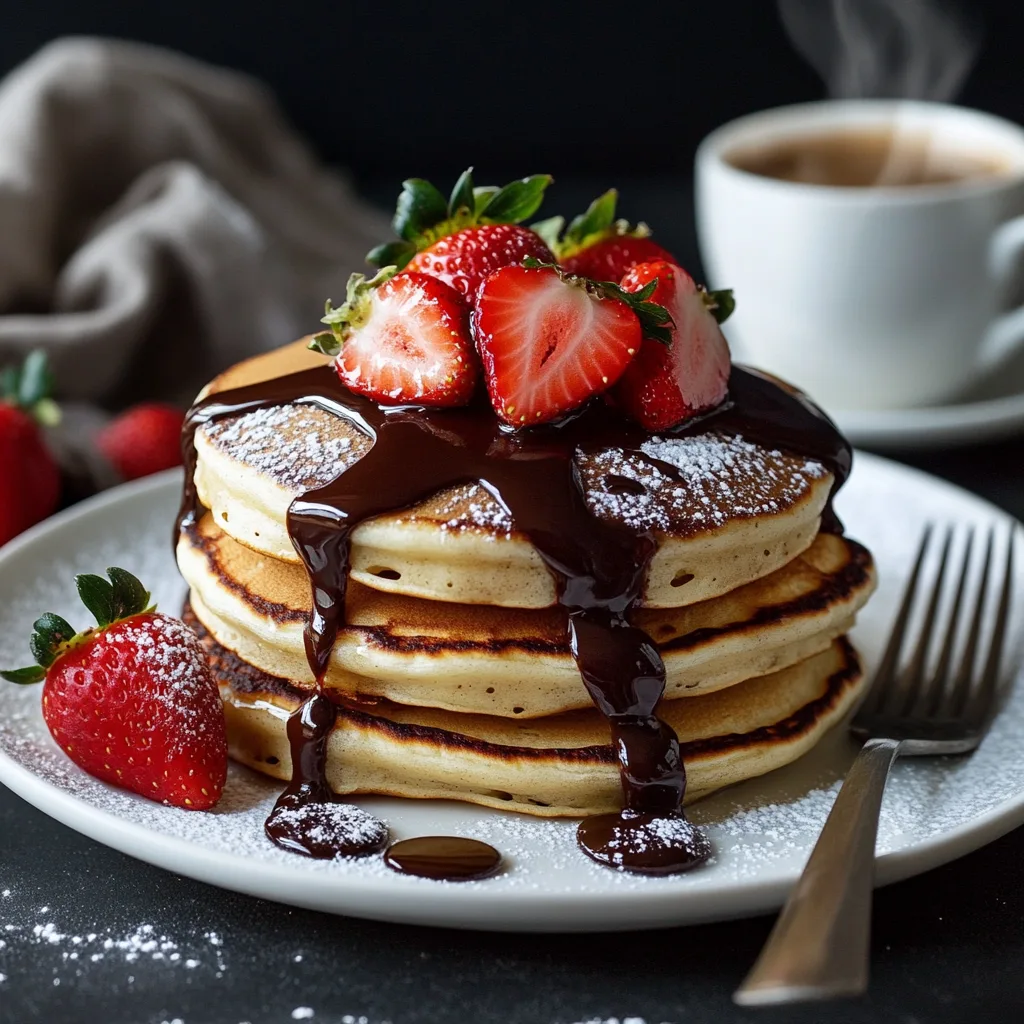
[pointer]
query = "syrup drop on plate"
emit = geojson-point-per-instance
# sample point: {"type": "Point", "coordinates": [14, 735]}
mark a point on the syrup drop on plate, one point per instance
{"type": "Point", "coordinates": [444, 858]}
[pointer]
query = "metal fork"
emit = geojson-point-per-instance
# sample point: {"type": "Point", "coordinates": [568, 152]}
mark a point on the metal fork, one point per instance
{"type": "Point", "coordinates": [819, 946]}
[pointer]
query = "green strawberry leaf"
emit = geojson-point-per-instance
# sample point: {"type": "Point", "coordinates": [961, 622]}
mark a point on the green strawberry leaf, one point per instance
{"type": "Point", "coordinates": [24, 676]}
{"type": "Point", "coordinates": [420, 207]}
{"type": "Point", "coordinates": [517, 200]}
{"type": "Point", "coordinates": [50, 631]}
{"type": "Point", "coordinates": [482, 195]}
{"type": "Point", "coordinates": [549, 230]}
{"type": "Point", "coordinates": [98, 596]}
{"type": "Point", "coordinates": [9, 378]}
{"type": "Point", "coordinates": [653, 317]}
{"type": "Point", "coordinates": [721, 303]}
{"type": "Point", "coordinates": [462, 194]}
{"type": "Point", "coordinates": [36, 379]}
{"type": "Point", "coordinates": [596, 219]}
{"type": "Point", "coordinates": [130, 597]}
{"type": "Point", "coordinates": [325, 343]}
{"type": "Point", "coordinates": [396, 254]}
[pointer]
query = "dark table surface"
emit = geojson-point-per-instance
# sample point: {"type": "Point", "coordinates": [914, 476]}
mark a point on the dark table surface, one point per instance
{"type": "Point", "coordinates": [948, 946]}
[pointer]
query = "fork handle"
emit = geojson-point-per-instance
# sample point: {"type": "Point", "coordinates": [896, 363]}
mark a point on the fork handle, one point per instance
{"type": "Point", "coordinates": [818, 948]}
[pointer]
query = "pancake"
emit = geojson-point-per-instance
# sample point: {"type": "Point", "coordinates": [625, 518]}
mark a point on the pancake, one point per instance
{"type": "Point", "coordinates": [724, 511]}
{"type": "Point", "coordinates": [513, 662]}
{"type": "Point", "coordinates": [562, 766]}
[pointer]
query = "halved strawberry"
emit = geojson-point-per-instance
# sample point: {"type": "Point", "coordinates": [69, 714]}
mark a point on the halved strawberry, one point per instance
{"type": "Point", "coordinates": [464, 239]}
{"type": "Point", "coordinates": [401, 339]}
{"type": "Point", "coordinates": [665, 385]}
{"type": "Point", "coordinates": [550, 340]}
{"type": "Point", "coordinates": [598, 246]}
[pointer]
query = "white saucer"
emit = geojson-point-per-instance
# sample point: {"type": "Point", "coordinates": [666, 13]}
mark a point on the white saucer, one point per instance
{"type": "Point", "coordinates": [762, 830]}
{"type": "Point", "coordinates": [991, 411]}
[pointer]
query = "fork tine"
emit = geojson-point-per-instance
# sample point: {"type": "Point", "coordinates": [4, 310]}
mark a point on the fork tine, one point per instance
{"type": "Point", "coordinates": [912, 680]}
{"type": "Point", "coordinates": [886, 671]}
{"type": "Point", "coordinates": [932, 695]}
{"type": "Point", "coordinates": [982, 700]}
{"type": "Point", "coordinates": [957, 693]}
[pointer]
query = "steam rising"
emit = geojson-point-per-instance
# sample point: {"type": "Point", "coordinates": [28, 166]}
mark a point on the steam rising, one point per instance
{"type": "Point", "coordinates": [900, 49]}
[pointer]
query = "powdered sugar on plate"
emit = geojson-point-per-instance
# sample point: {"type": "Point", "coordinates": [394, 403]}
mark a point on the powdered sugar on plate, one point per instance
{"type": "Point", "coordinates": [762, 830]}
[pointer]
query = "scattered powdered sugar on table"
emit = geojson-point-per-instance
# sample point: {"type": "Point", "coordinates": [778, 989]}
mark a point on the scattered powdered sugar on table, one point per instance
{"type": "Point", "coordinates": [762, 830]}
{"type": "Point", "coordinates": [72, 950]}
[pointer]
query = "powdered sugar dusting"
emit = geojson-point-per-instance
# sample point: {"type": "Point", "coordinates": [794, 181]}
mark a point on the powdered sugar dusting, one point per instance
{"type": "Point", "coordinates": [299, 446]}
{"type": "Point", "coordinates": [702, 481]}
{"type": "Point", "coordinates": [332, 826]}
{"type": "Point", "coordinates": [762, 830]}
{"type": "Point", "coordinates": [699, 482]}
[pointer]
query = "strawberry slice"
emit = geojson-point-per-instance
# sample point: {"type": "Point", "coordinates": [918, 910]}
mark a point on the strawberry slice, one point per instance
{"type": "Point", "coordinates": [549, 340]}
{"type": "Point", "coordinates": [597, 245]}
{"type": "Point", "coordinates": [465, 238]}
{"type": "Point", "coordinates": [401, 339]}
{"type": "Point", "coordinates": [665, 385]}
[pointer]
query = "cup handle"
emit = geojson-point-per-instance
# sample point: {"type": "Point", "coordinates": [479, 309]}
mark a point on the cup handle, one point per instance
{"type": "Point", "coordinates": [1005, 337]}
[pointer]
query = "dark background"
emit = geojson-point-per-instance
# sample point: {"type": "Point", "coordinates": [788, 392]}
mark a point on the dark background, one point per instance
{"type": "Point", "coordinates": [609, 90]}
{"type": "Point", "coordinates": [599, 94]}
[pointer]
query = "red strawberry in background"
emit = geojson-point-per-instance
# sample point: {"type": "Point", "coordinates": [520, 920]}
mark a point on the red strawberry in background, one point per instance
{"type": "Point", "coordinates": [598, 246]}
{"type": "Point", "coordinates": [665, 385]}
{"type": "Point", "coordinates": [402, 339]}
{"type": "Point", "coordinates": [549, 340]}
{"type": "Point", "coordinates": [465, 238]}
{"type": "Point", "coordinates": [29, 475]}
{"type": "Point", "coordinates": [146, 439]}
{"type": "Point", "coordinates": [131, 701]}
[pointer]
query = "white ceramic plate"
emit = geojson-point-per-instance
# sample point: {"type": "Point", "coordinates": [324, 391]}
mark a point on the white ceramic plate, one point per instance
{"type": "Point", "coordinates": [762, 830]}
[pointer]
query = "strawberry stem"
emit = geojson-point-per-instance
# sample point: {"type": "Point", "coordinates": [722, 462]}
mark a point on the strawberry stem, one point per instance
{"type": "Point", "coordinates": [597, 222]}
{"type": "Point", "coordinates": [120, 598]}
{"type": "Point", "coordinates": [423, 216]}
{"type": "Point", "coordinates": [720, 304]}
{"type": "Point", "coordinates": [351, 314]}
{"type": "Point", "coordinates": [28, 387]}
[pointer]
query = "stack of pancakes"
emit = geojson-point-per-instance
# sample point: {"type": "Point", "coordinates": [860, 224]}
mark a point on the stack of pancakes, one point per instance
{"type": "Point", "coordinates": [453, 670]}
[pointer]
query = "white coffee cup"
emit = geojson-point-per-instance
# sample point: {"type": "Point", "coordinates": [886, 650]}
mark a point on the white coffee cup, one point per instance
{"type": "Point", "coordinates": [868, 297]}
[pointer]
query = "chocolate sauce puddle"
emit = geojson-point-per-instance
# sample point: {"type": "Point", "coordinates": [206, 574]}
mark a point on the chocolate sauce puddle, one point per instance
{"type": "Point", "coordinates": [599, 566]}
{"type": "Point", "coordinates": [444, 858]}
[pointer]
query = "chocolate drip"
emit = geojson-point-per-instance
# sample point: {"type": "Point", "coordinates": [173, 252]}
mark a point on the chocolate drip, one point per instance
{"type": "Point", "coordinates": [599, 566]}
{"type": "Point", "coordinates": [444, 858]}
{"type": "Point", "coordinates": [308, 817]}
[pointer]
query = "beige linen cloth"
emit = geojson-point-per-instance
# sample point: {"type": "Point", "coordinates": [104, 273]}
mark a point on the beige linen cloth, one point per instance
{"type": "Point", "coordinates": [159, 220]}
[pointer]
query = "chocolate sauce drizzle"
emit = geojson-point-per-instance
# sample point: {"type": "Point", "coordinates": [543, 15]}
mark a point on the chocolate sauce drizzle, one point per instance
{"type": "Point", "coordinates": [599, 566]}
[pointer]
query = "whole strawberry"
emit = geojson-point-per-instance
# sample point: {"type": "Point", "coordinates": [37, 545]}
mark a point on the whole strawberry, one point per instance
{"type": "Point", "coordinates": [29, 476]}
{"type": "Point", "coordinates": [146, 439]}
{"type": "Point", "coordinates": [665, 385]}
{"type": "Point", "coordinates": [464, 239]}
{"type": "Point", "coordinates": [598, 246]}
{"type": "Point", "coordinates": [131, 701]}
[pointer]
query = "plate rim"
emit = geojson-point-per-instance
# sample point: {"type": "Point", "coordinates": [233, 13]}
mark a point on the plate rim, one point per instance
{"type": "Point", "coordinates": [473, 907]}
